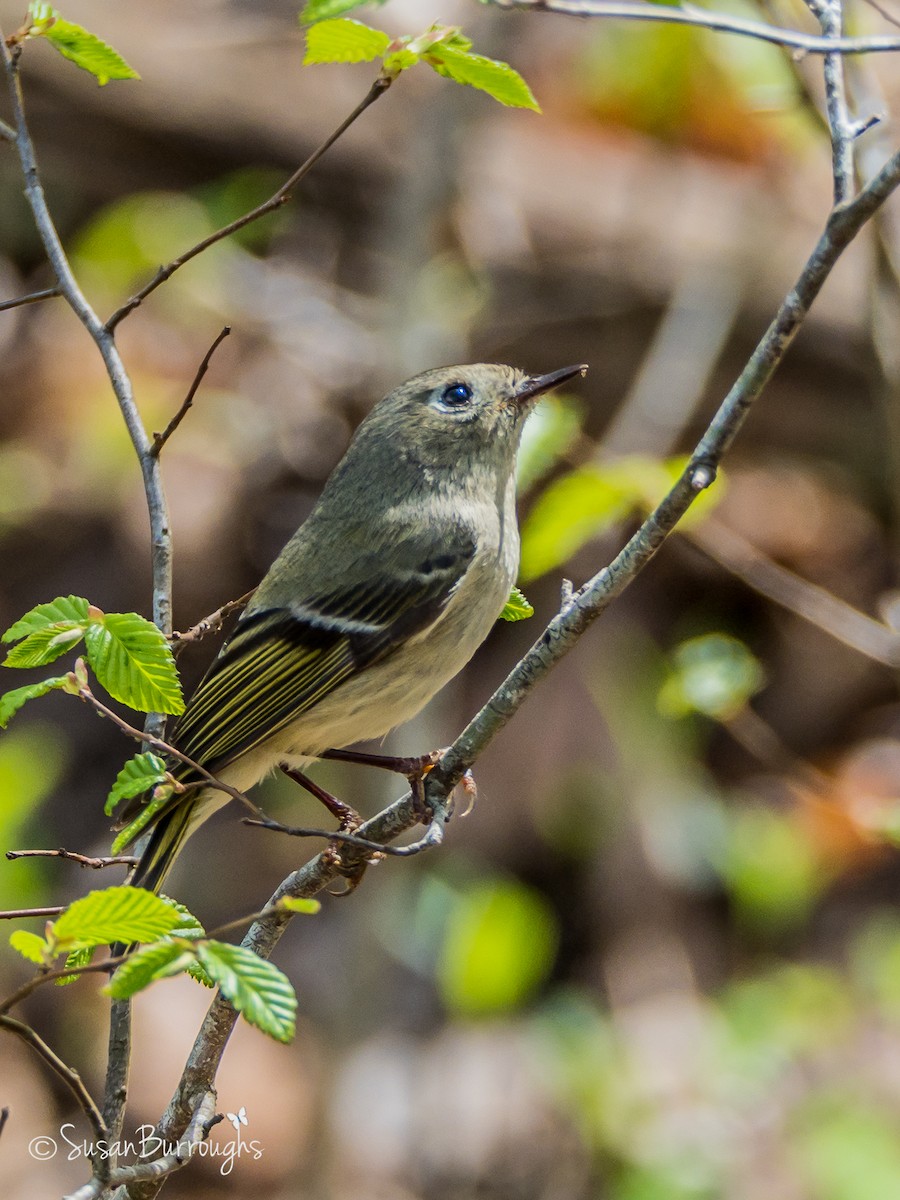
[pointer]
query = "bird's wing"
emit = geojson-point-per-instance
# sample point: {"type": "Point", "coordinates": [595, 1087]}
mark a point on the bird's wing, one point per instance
{"type": "Point", "coordinates": [282, 661]}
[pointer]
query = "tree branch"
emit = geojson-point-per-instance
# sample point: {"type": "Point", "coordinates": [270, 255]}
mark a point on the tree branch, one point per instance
{"type": "Point", "coordinates": [67, 1074]}
{"type": "Point", "coordinates": [160, 439]}
{"type": "Point", "coordinates": [686, 14]}
{"type": "Point", "coordinates": [31, 298]}
{"type": "Point", "coordinates": [84, 860]}
{"type": "Point", "coordinates": [378, 88]}
{"type": "Point", "coordinates": [211, 624]}
{"type": "Point", "coordinates": [829, 14]}
{"type": "Point", "coordinates": [161, 545]}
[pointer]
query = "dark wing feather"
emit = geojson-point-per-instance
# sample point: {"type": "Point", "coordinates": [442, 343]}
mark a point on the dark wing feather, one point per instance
{"type": "Point", "coordinates": [282, 661]}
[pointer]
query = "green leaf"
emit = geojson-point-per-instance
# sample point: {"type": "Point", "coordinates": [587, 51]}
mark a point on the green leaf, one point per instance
{"type": "Point", "coordinates": [63, 608]}
{"type": "Point", "coordinates": [139, 775]}
{"type": "Point", "coordinates": [344, 41]}
{"type": "Point", "coordinates": [571, 511]}
{"type": "Point", "coordinates": [550, 433]}
{"type": "Point", "coordinates": [324, 10]}
{"type": "Point", "coordinates": [87, 51]}
{"type": "Point", "coordinates": [115, 914]}
{"type": "Point", "coordinates": [400, 60]}
{"type": "Point", "coordinates": [144, 966]}
{"type": "Point", "coordinates": [30, 946]}
{"type": "Point", "coordinates": [517, 607]}
{"type": "Point", "coordinates": [45, 645]}
{"type": "Point", "coordinates": [256, 988]}
{"type": "Point", "coordinates": [714, 674]}
{"type": "Point", "coordinates": [190, 927]}
{"type": "Point", "coordinates": [498, 79]}
{"type": "Point", "coordinates": [133, 661]}
{"type": "Point", "coordinates": [11, 702]}
{"type": "Point", "coordinates": [160, 798]}
{"type": "Point", "coordinates": [76, 958]}
{"type": "Point", "coordinates": [300, 904]}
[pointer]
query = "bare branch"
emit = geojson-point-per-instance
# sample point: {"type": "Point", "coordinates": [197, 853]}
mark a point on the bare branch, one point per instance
{"type": "Point", "coordinates": [67, 1074]}
{"type": "Point", "coordinates": [7, 133]}
{"type": "Point", "coordinates": [211, 624]}
{"type": "Point", "coordinates": [19, 914]}
{"type": "Point", "coordinates": [202, 1121]}
{"type": "Point", "coordinates": [161, 546]}
{"type": "Point", "coordinates": [85, 860]}
{"type": "Point", "coordinates": [36, 981]}
{"type": "Point", "coordinates": [686, 14]}
{"type": "Point", "coordinates": [829, 14]}
{"type": "Point", "coordinates": [31, 298]}
{"type": "Point", "coordinates": [378, 88]}
{"type": "Point", "coordinates": [158, 744]}
{"type": "Point", "coordinates": [160, 439]}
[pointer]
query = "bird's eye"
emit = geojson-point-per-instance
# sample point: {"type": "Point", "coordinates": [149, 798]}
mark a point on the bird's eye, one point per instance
{"type": "Point", "coordinates": [457, 395]}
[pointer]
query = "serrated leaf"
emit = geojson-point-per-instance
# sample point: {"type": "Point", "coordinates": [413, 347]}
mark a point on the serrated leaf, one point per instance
{"type": "Point", "coordinates": [45, 645]}
{"type": "Point", "coordinates": [257, 989]}
{"type": "Point", "coordinates": [11, 702]}
{"type": "Point", "coordinates": [63, 608]}
{"type": "Point", "coordinates": [76, 958]}
{"type": "Point", "coordinates": [30, 946]}
{"type": "Point", "coordinates": [517, 607]}
{"type": "Point", "coordinates": [324, 10]}
{"type": "Point", "coordinates": [115, 914]}
{"type": "Point", "coordinates": [139, 775]}
{"type": "Point", "coordinates": [88, 51]}
{"type": "Point", "coordinates": [144, 966]}
{"type": "Point", "coordinates": [498, 79]}
{"type": "Point", "coordinates": [299, 904]}
{"type": "Point", "coordinates": [133, 661]}
{"type": "Point", "coordinates": [344, 41]}
{"type": "Point", "coordinates": [188, 926]}
{"type": "Point", "coordinates": [161, 797]}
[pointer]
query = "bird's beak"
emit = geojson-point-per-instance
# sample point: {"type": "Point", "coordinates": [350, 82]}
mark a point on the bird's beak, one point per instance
{"type": "Point", "coordinates": [538, 384]}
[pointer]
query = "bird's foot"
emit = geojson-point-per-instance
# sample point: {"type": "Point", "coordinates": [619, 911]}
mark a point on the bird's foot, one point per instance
{"type": "Point", "coordinates": [415, 769]}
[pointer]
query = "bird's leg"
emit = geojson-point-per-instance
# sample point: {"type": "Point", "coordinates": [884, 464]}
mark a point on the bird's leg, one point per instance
{"type": "Point", "coordinates": [348, 818]}
{"type": "Point", "coordinates": [415, 769]}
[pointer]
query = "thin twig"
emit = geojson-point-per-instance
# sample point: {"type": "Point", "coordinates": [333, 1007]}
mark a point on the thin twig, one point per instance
{"type": "Point", "coordinates": [44, 977]}
{"type": "Point", "coordinates": [433, 837]}
{"type": "Point", "coordinates": [807, 600]}
{"type": "Point", "coordinates": [378, 88]}
{"type": "Point", "coordinates": [686, 14]}
{"type": "Point", "coordinates": [211, 624]}
{"type": "Point", "coordinates": [21, 914]}
{"type": "Point", "coordinates": [4, 1117]}
{"type": "Point", "coordinates": [67, 1074]}
{"type": "Point", "coordinates": [85, 860]}
{"type": "Point", "coordinates": [31, 298]}
{"type": "Point", "coordinates": [7, 133]}
{"type": "Point", "coordinates": [160, 439]}
{"type": "Point", "coordinates": [155, 743]}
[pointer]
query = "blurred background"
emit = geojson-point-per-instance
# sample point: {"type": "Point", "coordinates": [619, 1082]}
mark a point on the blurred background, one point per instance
{"type": "Point", "coordinates": [661, 957]}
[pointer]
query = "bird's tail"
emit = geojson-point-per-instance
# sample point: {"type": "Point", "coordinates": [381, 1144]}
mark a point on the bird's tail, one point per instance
{"type": "Point", "coordinates": [168, 836]}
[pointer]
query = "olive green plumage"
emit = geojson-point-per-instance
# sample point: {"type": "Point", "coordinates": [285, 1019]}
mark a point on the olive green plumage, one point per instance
{"type": "Point", "coordinates": [381, 596]}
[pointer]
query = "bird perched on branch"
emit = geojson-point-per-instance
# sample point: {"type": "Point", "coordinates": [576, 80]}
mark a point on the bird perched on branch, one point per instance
{"type": "Point", "coordinates": [382, 595]}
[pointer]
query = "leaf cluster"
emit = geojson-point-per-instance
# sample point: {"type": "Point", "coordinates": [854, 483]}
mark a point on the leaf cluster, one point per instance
{"type": "Point", "coordinates": [130, 657]}
{"type": "Point", "coordinates": [177, 944]}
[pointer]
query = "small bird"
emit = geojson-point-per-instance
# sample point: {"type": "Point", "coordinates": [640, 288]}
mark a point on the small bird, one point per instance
{"type": "Point", "coordinates": [382, 595]}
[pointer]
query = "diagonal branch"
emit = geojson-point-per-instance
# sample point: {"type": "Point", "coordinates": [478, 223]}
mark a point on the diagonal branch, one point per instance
{"type": "Point", "coordinates": [378, 88]}
{"type": "Point", "coordinates": [160, 439]}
